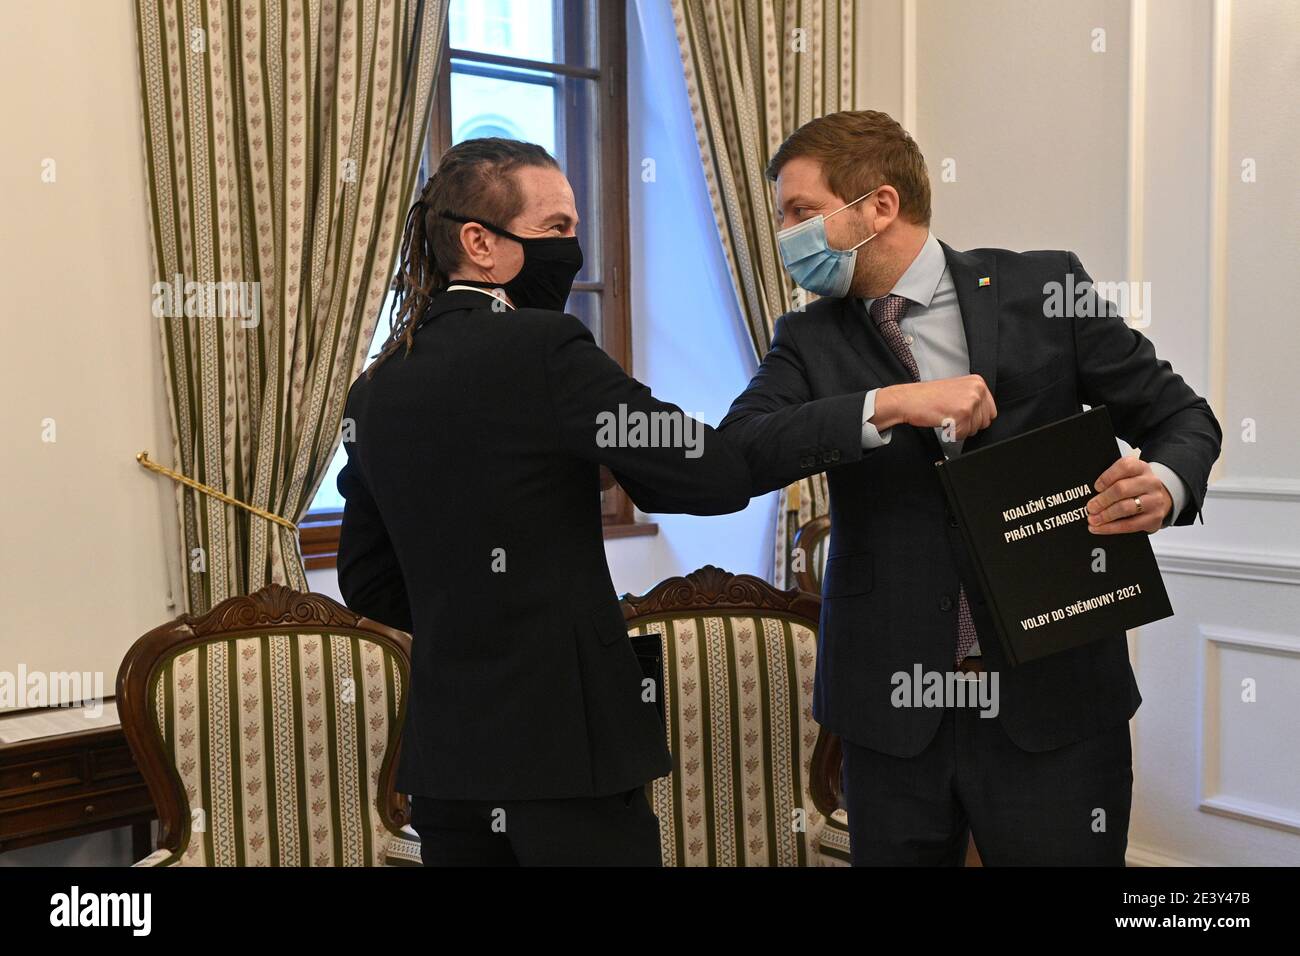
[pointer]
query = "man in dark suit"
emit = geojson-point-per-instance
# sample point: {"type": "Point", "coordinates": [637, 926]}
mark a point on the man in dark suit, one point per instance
{"type": "Point", "coordinates": [917, 351]}
{"type": "Point", "coordinates": [473, 521]}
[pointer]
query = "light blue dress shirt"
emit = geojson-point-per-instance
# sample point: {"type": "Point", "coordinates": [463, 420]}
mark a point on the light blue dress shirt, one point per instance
{"type": "Point", "coordinates": [933, 330]}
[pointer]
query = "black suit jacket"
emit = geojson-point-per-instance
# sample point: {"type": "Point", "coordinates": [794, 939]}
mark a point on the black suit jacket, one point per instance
{"type": "Point", "coordinates": [896, 560]}
{"type": "Point", "coordinates": [478, 451]}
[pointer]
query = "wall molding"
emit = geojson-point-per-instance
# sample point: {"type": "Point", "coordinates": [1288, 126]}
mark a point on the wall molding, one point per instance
{"type": "Point", "coordinates": [1220, 168]}
{"type": "Point", "coordinates": [1256, 489]}
{"type": "Point", "coordinates": [1248, 812]}
{"type": "Point", "coordinates": [909, 67]}
{"type": "Point", "coordinates": [1260, 567]}
{"type": "Point", "coordinates": [1138, 855]}
{"type": "Point", "coordinates": [1208, 799]}
{"type": "Point", "coordinates": [1137, 139]}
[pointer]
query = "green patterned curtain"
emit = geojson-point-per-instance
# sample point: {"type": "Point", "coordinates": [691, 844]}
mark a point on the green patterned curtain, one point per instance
{"type": "Point", "coordinates": [757, 70]}
{"type": "Point", "coordinates": [282, 144]}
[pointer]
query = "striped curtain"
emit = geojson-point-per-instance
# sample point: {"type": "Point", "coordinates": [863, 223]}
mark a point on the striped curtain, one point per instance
{"type": "Point", "coordinates": [282, 146]}
{"type": "Point", "coordinates": [757, 70]}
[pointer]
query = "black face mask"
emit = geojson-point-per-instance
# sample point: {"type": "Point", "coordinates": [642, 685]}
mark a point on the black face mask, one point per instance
{"type": "Point", "coordinates": [550, 266]}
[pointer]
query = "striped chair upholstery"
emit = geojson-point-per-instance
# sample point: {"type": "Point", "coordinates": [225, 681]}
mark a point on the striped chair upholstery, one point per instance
{"type": "Point", "coordinates": [835, 840]}
{"type": "Point", "coordinates": [738, 663]}
{"type": "Point", "coordinates": [267, 731]}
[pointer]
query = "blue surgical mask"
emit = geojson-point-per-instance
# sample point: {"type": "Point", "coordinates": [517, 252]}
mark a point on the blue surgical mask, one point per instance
{"type": "Point", "coordinates": [812, 263]}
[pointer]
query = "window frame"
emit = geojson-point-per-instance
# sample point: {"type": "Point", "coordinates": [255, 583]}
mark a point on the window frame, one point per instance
{"type": "Point", "coordinates": [319, 530]}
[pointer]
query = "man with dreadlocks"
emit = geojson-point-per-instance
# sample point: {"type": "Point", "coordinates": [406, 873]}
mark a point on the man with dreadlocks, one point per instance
{"type": "Point", "coordinates": [473, 521]}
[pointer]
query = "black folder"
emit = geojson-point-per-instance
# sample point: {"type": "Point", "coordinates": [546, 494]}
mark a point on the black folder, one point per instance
{"type": "Point", "coordinates": [1049, 583]}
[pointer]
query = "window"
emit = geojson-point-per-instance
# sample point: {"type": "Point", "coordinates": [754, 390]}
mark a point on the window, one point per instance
{"type": "Point", "coordinates": [552, 72]}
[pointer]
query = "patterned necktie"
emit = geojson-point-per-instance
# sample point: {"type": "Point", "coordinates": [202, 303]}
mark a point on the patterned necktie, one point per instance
{"type": "Point", "coordinates": [887, 312]}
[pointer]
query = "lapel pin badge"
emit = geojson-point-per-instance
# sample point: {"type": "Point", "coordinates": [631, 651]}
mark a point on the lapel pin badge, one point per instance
{"type": "Point", "coordinates": [984, 281]}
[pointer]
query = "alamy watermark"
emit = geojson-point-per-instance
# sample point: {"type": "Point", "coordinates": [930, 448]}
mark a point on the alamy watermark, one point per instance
{"type": "Point", "coordinates": [208, 300]}
{"type": "Point", "coordinates": [922, 688]}
{"type": "Point", "coordinates": [24, 690]}
{"type": "Point", "coordinates": [1089, 300]}
{"type": "Point", "coordinates": [633, 428]}
{"type": "Point", "coordinates": [133, 911]}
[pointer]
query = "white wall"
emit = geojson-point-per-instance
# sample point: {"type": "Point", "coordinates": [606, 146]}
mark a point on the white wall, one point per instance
{"type": "Point", "coordinates": [87, 532]}
{"type": "Point", "coordinates": [1029, 121]}
{"type": "Point", "coordinates": [1219, 776]}
{"type": "Point", "coordinates": [83, 567]}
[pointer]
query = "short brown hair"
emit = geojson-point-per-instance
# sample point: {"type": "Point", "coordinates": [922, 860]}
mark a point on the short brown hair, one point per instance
{"type": "Point", "coordinates": [858, 151]}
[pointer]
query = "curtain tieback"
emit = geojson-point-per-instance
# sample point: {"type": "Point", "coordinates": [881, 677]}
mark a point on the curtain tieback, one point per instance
{"type": "Point", "coordinates": [143, 458]}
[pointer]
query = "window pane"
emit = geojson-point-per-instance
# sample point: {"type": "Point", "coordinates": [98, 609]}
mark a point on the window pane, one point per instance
{"type": "Point", "coordinates": [557, 113]}
{"type": "Point", "coordinates": [327, 495]}
{"type": "Point", "coordinates": [554, 31]}
{"type": "Point", "coordinates": [494, 101]}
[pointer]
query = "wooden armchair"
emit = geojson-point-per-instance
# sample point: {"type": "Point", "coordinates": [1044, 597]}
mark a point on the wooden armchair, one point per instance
{"type": "Point", "coordinates": [267, 732]}
{"type": "Point", "coordinates": [738, 663]}
{"type": "Point", "coordinates": [810, 545]}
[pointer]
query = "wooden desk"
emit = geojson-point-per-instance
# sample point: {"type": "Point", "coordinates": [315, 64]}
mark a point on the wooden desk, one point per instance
{"type": "Point", "coordinates": [69, 784]}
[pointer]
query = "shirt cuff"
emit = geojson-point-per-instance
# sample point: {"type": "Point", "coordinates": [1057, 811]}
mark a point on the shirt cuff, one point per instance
{"type": "Point", "coordinates": [1177, 490]}
{"type": "Point", "coordinates": [871, 438]}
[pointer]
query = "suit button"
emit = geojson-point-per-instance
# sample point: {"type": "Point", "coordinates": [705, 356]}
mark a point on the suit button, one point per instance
{"type": "Point", "coordinates": [945, 603]}
{"type": "Point", "coordinates": [952, 519]}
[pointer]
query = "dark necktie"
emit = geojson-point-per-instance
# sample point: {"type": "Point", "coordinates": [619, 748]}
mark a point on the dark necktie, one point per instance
{"type": "Point", "coordinates": [887, 312]}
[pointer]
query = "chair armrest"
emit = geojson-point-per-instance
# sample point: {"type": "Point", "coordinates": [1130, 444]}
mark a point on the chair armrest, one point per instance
{"type": "Point", "coordinates": [403, 850]}
{"type": "Point", "coordinates": [163, 857]}
{"type": "Point", "coordinates": [824, 772]}
{"type": "Point", "coordinates": [833, 841]}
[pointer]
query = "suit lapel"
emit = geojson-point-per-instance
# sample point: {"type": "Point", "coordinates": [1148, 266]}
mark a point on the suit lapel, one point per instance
{"type": "Point", "coordinates": [870, 345]}
{"type": "Point", "coordinates": [979, 317]}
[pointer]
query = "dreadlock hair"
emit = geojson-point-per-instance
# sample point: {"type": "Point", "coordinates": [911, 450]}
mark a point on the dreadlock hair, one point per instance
{"type": "Point", "coordinates": [474, 178]}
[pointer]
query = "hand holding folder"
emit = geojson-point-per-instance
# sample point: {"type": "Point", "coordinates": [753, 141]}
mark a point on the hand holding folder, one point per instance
{"type": "Point", "coordinates": [1022, 510]}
